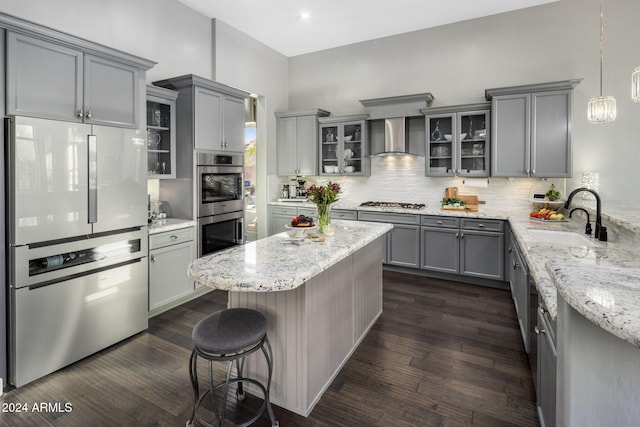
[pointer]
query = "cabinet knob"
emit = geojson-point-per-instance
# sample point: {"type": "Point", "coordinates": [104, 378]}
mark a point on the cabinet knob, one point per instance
{"type": "Point", "coordinates": [542, 310]}
{"type": "Point", "coordinates": [462, 235]}
{"type": "Point", "coordinates": [79, 114]}
{"type": "Point", "coordinates": [516, 265]}
{"type": "Point", "coordinates": [153, 258]}
{"type": "Point", "coordinates": [438, 222]}
{"type": "Point", "coordinates": [510, 249]}
{"type": "Point", "coordinates": [481, 225]}
{"type": "Point", "coordinates": [174, 237]}
{"type": "Point", "coordinates": [88, 115]}
{"type": "Point", "coordinates": [539, 331]}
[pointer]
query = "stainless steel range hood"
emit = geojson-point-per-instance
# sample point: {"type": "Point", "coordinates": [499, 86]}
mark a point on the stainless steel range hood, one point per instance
{"type": "Point", "coordinates": [395, 141]}
{"type": "Point", "coordinates": [399, 121]}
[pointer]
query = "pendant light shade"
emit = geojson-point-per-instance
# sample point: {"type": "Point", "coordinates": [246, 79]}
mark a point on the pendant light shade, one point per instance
{"type": "Point", "coordinates": [603, 108]}
{"type": "Point", "coordinates": [635, 85]}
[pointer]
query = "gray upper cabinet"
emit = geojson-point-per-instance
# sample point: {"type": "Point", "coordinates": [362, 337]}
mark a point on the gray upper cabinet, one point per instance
{"type": "Point", "coordinates": [55, 81]}
{"type": "Point", "coordinates": [531, 130]}
{"type": "Point", "coordinates": [458, 140]}
{"type": "Point", "coordinates": [161, 132]}
{"type": "Point", "coordinates": [343, 146]}
{"type": "Point", "coordinates": [297, 144]}
{"type": "Point", "coordinates": [209, 114]}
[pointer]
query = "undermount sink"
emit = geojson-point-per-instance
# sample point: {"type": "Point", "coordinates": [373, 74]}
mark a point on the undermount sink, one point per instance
{"type": "Point", "coordinates": [564, 238]}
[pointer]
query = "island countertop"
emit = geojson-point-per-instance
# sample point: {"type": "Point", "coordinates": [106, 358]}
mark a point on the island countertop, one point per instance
{"type": "Point", "coordinates": [280, 262]}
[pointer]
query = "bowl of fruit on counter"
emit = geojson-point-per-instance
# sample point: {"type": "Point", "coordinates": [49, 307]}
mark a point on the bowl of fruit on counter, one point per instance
{"type": "Point", "coordinates": [546, 214]}
{"type": "Point", "coordinates": [300, 225]}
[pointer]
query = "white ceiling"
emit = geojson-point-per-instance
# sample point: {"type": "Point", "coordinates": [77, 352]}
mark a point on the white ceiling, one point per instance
{"type": "Point", "coordinates": [340, 22]}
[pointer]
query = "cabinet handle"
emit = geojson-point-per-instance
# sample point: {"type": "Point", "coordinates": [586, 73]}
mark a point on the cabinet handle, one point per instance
{"type": "Point", "coordinates": [88, 115]}
{"type": "Point", "coordinates": [542, 310]}
{"type": "Point", "coordinates": [438, 222]}
{"type": "Point", "coordinates": [462, 235]}
{"type": "Point", "coordinates": [539, 331]}
{"type": "Point", "coordinates": [174, 237]}
{"type": "Point", "coordinates": [481, 225]}
{"type": "Point", "coordinates": [516, 265]}
{"type": "Point", "coordinates": [457, 235]}
{"type": "Point", "coordinates": [79, 114]}
{"type": "Point", "coordinates": [153, 258]}
{"type": "Point", "coordinates": [510, 250]}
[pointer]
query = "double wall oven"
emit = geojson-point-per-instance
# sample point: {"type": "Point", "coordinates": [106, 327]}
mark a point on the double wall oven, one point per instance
{"type": "Point", "coordinates": [220, 201]}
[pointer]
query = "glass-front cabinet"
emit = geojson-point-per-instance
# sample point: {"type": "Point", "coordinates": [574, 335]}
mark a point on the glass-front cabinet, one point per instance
{"type": "Point", "coordinates": [458, 141]}
{"type": "Point", "coordinates": [161, 138]}
{"type": "Point", "coordinates": [343, 146]}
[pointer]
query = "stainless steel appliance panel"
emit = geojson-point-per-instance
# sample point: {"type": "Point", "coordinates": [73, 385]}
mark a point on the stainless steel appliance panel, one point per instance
{"type": "Point", "coordinates": [88, 254]}
{"type": "Point", "coordinates": [218, 232]}
{"type": "Point", "coordinates": [48, 179]}
{"type": "Point", "coordinates": [61, 323]}
{"type": "Point", "coordinates": [220, 189]}
{"type": "Point", "coordinates": [121, 178]}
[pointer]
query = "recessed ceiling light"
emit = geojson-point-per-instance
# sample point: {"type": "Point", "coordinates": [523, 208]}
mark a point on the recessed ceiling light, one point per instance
{"type": "Point", "coordinates": [304, 16]}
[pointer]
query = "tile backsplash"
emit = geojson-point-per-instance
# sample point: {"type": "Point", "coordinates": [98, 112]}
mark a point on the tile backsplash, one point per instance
{"type": "Point", "coordinates": [402, 179]}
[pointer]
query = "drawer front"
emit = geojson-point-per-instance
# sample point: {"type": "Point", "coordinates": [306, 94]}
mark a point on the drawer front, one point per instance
{"type": "Point", "coordinates": [284, 210]}
{"type": "Point", "coordinates": [173, 237]}
{"type": "Point", "coordinates": [312, 212]}
{"type": "Point", "coordinates": [440, 221]}
{"type": "Point", "coordinates": [482, 224]}
{"type": "Point", "coordinates": [389, 217]}
{"type": "Point", "coordinates": [344, 214]}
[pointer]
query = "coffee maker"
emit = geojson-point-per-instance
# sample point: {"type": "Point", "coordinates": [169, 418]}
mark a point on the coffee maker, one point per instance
{"type": "Point", "coordinates": [296, 188]}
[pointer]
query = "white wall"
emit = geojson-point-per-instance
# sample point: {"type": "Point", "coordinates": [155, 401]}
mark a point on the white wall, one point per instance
{"type": "Point", "coordinates": [246, 63]}
{"type": "Point", "coordinates": [164, 31]}
{"type": "Point", "coordinates": [457, 62]}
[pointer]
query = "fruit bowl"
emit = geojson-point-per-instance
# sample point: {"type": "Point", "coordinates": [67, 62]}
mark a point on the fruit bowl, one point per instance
{"type": "Point", "coordinates": [299, 231]}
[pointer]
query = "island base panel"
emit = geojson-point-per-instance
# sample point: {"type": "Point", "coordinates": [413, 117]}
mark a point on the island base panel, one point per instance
{"type": "Point", "coordinates": [315, 328]}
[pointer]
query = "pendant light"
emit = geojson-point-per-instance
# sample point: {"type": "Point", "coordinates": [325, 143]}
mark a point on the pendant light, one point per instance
{"type": "Point", "coordinates": [603, 108]}
{"type": "Point", "coordinates": [635, 85]}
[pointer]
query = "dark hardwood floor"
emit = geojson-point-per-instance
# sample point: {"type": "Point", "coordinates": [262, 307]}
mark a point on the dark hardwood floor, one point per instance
{"type": "Point", "coordinates": [442, 353]}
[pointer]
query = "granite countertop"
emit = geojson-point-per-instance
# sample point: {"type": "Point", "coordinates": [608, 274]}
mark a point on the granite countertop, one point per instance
{"type": "Point", "coordinates": [281, 262]}
{"type": "Point", "coordinates": [583, 275]}
{"type": "Point", "coordinates": [170, 224]}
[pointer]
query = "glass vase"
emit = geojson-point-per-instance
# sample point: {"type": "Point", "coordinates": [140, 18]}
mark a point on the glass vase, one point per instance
{"type": "Point", "coordinates": [323, 217]}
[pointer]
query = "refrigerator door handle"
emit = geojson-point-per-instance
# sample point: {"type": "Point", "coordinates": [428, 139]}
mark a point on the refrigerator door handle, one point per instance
{"type": "Point", "coordinates": [93, 178]}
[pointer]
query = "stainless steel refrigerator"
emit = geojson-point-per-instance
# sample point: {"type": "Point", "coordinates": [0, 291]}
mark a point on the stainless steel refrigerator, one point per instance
{"type": "Point", "coordinates": [77, 235]}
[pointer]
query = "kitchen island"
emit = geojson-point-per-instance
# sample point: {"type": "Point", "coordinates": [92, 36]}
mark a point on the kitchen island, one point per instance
{"type": "Point", "coordinates": [320, 300]}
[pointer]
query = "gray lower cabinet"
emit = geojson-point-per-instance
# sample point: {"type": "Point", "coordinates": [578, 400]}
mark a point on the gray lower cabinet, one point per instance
{"type": "Point", "coordinates": [402, 245]}
{"type": "Point", "coordinates": [56, 81]}
{"type": "Point", "coordinates": [279, 216]}
{"type": "Point", "coordinates": [468, 247]}
{"type": "Point", "coordinates": [169, 256]}
{"type": "Point", "coordinates": [520, 292]}
{"type": "Point", "coordinates": [531, 130]}
{"type": "Point", "coordinates": [547, 367]}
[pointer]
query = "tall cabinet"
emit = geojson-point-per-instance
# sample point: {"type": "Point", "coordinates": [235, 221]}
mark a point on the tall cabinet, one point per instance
{"type": "Point", "coordinates": [298, 142]}
{"type": "Point", "coordinates": [458, 140]}
{"type": "Point", "coordinates": [531, 129]}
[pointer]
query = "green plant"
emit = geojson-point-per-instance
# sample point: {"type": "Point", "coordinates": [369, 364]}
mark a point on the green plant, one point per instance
{"type": "Point", "coordinates": [452, 201]}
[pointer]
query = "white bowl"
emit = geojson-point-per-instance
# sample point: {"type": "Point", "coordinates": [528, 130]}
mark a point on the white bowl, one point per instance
{"type": "Point", "coordinates": [349, 169]}
{"type": "Point", "coordinates": [447, 137]}
{"type": "Point", "coordinates": [348, 138]}
{"type": "Point", "coordinates": [335, 169]}
{"type": "Point", "coordinates": [328, 169]}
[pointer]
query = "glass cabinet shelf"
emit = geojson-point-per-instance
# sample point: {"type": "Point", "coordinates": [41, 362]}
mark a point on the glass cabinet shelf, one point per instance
{"type": "Point", "coordinates": [161, 138]}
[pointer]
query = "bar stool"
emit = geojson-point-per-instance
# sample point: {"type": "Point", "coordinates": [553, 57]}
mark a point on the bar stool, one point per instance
{"type": "Point", "coordinates": [226, 336]}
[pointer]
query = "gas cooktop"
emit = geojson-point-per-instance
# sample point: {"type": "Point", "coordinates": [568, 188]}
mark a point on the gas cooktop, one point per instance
{"type": "Point", "coordinates": [394, 205]}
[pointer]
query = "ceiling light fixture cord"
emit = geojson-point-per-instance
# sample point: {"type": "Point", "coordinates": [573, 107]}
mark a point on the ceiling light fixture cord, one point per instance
{"type": "Point", "coordinates": [601, 41]}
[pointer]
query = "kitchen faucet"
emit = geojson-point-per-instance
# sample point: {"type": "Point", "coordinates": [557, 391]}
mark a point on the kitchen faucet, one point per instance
{"type": "Point", "coordinates": [587, 229]}
{"type": "Point", "coordinates": [601, 232]}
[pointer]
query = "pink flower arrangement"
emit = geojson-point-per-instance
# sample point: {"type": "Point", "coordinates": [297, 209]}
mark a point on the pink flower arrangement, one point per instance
{"type": "Point", "coordinates": [324, 194]}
